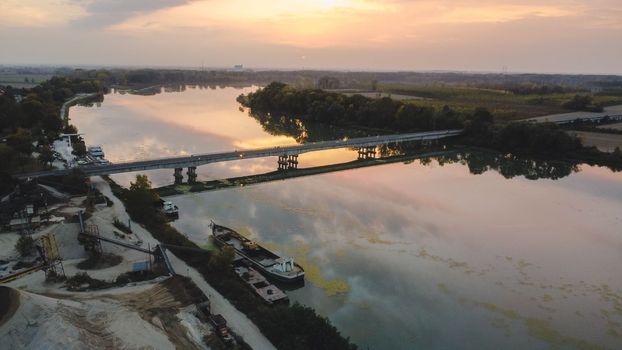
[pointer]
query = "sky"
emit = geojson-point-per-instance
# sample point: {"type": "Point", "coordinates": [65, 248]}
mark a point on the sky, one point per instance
{"type": "Point", "coordinates": [542, 36]}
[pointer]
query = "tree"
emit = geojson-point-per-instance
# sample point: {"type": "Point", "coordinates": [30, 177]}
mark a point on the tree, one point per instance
{"type": "Point", "coordinates": [70, 129]}
{"type": "Point", "coordinates": [21, 141]}
{"type": "Point", "coordinates": [7, 157]}
{"type": "Point", "coordinates": [222, 260]}
{"type": "Point", "coordinates": [327, 82]}
{"type": "Point", "coordinates": [142, 183]}
{"type": "Point", "coordinates": [374, 85]}
{"type": "Point", "coordinates": [479, 127]}
{"type": "Point", "coordinates": [141, 199]}
{"type": "Point", "coordinates": [79, 148]}
{"type": "Point", "coordinates": [583, 103]}
{"type": "Point", "coordinates": [33, 112]}
{"type": "Point", "coordinates": [46, 156]}
{"type": "Point", "coordinates": [25, 245]}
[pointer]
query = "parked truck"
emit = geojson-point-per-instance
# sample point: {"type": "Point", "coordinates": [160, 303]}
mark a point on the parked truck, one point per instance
{"type": "Point", "coordinates": [220, 326]}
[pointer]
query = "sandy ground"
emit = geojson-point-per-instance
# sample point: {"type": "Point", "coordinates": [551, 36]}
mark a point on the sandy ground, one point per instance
{"type": "Point", "coordinates": [238, 322]}
{"type": "Point", "coordinates": [611, 110]}
{"type": "Point", "coordinates": [142, 315]}
{"type": "Point", "coordinates": [88, 320]}
{"type": "Point", "coordinates": [604, 142]}
{"type": "Point", "coordinates": [132, 317]}
{"type": "Point", "coordinates": [63, 147]}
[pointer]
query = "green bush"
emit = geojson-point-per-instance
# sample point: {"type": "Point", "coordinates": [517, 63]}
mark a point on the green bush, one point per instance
{"type": "Point", "coordinates": [314, 332]}
{"type": "Point", "coordinates": [25, 245]}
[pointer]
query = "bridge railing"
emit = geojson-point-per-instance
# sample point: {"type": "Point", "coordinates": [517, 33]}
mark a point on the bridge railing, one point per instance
{"type": "Point", "coordinates": [202, 159]}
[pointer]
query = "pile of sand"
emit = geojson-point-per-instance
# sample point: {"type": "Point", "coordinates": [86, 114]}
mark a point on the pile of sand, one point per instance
{"type": "Point", "coordinates": [9, 302]}
{"type": "Point", "coordinates": [129, 317]}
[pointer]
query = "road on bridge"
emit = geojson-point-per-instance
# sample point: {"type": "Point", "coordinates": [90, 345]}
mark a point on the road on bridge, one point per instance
{"type": "Point", "coordinates": [202, 159]}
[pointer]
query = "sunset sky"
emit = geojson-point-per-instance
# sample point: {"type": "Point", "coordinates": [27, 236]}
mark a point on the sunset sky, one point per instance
{"type": "Point", "coordinates": [567, 36]}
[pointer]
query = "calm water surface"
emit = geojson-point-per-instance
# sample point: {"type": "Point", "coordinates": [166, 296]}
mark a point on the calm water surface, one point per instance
{"type": "Point", "coordinates": [399, 256]}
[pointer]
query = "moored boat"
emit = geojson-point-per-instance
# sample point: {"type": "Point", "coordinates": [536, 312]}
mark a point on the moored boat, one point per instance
{"type": "Point", "coordinates": [169, 209]}
{"type": "Point", "coordinates": [283, 269]}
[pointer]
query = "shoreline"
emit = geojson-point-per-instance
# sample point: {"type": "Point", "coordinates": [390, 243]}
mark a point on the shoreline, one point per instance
{"type": "Point", "coordinates": [237, 320]}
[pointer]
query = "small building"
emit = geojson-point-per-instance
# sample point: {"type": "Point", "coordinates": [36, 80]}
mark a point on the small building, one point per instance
{"type": "Point", "coordinates": [19, 224]}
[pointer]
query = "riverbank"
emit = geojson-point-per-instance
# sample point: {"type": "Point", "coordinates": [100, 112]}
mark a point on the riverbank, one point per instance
{"type": "Point", "coordinates": [238, 322]}
{"type": "Point", "coordinates": [309, 331]}
{"type": "Point", "coordinates": [78, 98]}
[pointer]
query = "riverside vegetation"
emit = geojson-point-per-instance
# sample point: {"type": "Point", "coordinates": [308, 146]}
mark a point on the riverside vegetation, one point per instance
{"type": "Point", "coordinates": [287, 327]}
{"type": "Point", "coordinates": [295, 326]}
{"type": "Point", "coordinates": [282, 107]}
{"type": "Point", "coordinates": [30, 121]}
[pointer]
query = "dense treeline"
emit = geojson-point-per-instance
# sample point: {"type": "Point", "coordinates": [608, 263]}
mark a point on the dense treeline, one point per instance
{"type": "Point", "coordinates": [521, 82]}
{"type": "Point", "coordinates": [583, 103]}
{"type": "Point", "coordinates": [314, 105]}
{"type": "Point", "coordinates": [282, 109]}
{"type": "Point", "coordinates": [287, 327]}
{"type": "Point", "coordinates": [30, 120]}
{"type": "Point", "coordinates": [520, 138]}
{"type": "Point", "coordinates": [310, 105]}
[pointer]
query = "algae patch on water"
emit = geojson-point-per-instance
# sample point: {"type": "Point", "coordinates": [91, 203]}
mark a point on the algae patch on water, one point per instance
{"type": "Point", "coordinates": [541, 329]}
{"type": "Point", "coordinates": [443, 288]}
{"type": "Point", "coordinates": [451, 263]}
{"type": "Point", "coordinates": [314, 275]}
{"type": "Point", "coordinates": [374, 238]}
{"type": "Point", "coordinates": [313, 272]}
{"type": "Point", "coordinates": [184, 189]}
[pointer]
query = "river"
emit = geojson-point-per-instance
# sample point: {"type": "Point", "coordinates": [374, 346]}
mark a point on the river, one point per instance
{"type": "Point", "coordinates": [416, 255]}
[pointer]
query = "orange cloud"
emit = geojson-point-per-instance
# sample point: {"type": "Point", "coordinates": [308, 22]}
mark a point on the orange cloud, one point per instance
{"type": "Point", "coordinates": [349, 23]}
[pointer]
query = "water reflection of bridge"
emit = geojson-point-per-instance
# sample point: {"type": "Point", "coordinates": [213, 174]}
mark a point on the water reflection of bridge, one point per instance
{"type": "Point", "coordinates": [278, 175]}
{"type": "Point", "coordinates": [288, 155]}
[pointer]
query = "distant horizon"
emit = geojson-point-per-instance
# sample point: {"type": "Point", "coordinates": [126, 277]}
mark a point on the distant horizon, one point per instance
{"type": "Point", "coordinates": [285, 69]}
{"type": "Point", "coordinates": [517, 36]}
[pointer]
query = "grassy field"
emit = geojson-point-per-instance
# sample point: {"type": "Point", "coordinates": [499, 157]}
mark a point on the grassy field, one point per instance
{"type": "Point", "coordinates": [19, 80]}
{"type": "Point", "coordinates": [604, 142]}
{"type": "Point", "coordinates": [503, 104]}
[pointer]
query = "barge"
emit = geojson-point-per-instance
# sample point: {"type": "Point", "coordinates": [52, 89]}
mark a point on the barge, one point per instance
{"type": "Point", "coordinates": [270, 293]}
{"type": "Point", "coordinates": [265, 261]}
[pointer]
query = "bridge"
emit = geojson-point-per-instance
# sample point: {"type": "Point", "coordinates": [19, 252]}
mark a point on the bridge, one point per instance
{"type": "Point", "coordinates": [288, 155]}
{"type": "Point", "coordinates": [250, 180]}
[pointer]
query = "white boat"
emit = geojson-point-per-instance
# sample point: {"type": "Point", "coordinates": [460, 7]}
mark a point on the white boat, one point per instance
{"type": "Point", "coordinates": [169, 208]}
{"type": "Point", "coordinates": [95, 151]}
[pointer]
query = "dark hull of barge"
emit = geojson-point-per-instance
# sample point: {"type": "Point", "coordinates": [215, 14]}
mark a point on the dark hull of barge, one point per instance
{"type": "Point", "coordinates": [255, 256]}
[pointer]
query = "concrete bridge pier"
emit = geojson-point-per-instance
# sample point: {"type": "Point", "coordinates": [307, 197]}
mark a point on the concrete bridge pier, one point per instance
{"type": "Point", "coordinates": [179, 177]}
{"type": "Point", "coordinates": [367, 152]}
{"type": "Point", "coordinates": [288, 162]}
{"type": "Point", "coordinates": [192, 174]}
{"type": "Point", "coordinates": [292, 161]}
{"type": "Point", "coordinates": [282, 162]}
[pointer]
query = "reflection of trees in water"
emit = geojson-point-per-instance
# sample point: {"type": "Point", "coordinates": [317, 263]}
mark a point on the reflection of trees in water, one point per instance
{"type": "Point", "coordinates": [91, 101]}
{"type": "Point", "coordinates": [509, 165]}
{"type": "Point", "coordinates": [303, 132]}
{"type": "Point", "coordinates": [478, 162]}
{"type": "Point", "coordinates": [175, 88]}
